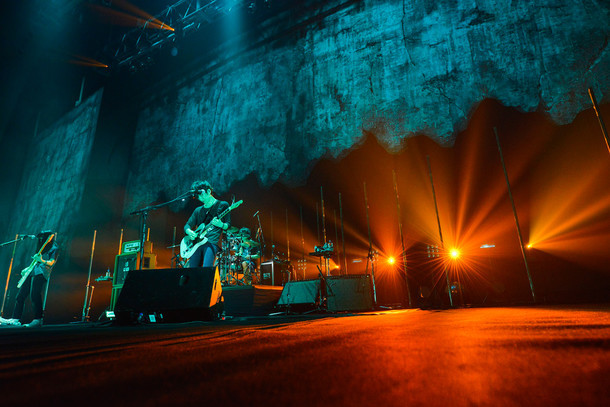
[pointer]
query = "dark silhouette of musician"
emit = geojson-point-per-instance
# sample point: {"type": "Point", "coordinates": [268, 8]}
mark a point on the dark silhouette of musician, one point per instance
{"type": "Point", "coordinates": [36, 278]}
{"type": "Point", "coordinates": [206, 214]}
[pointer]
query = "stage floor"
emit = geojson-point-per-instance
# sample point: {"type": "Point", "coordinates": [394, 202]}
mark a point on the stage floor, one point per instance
{"type": "Point", "coordinates": [519, 356]}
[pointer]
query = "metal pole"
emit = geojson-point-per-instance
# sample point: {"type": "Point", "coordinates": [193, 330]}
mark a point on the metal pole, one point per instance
{"type": "Point", "coordinates": [144, 218]}
{"type": "Point", "coordinates": [342, 233]}
{"type": "Point", "coordinates": [440, 232]}
{"type": "Point", "coordinates": [371, 256]}
{"type": "Point", "coordinates": [287, 238]}
{"type": "Point", "coordinates": [323, 215]}
{"type": "Point", "coordinates": [337, 238]}
{"type": "Point", "coordinates": [8, 277]}
{"type": "Point", "coordinates": [512, 202]}
{"type": "Point", "coordinates": [599, 119]}
{"type": "Point", "coordinates": [89, 302]}
{"type": "Point", "coordinates": [318, 222]}
{"type": "Point", "coordinates": [402, 239]}
{"type": "Point", "coordinates": [272, 237]}
{"type": "Point", "coordinates": [121, 243]}
{"type": "Point", "coordinates": [174, 260]}
{"type": "Point", "coordinates": [84, 315]}
{"type": "Point", "coordinates": [326, 259]}
{"type": "Point", "coordinates": [302, 240]}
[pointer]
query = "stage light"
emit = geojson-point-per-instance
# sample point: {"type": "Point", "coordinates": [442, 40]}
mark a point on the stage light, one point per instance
{"type": "Point", "coordinates": [529, 246]}
{"type": "Point", "coordinates": [391, 260]}
{"type": "Point", "coordinates": [454, 253]}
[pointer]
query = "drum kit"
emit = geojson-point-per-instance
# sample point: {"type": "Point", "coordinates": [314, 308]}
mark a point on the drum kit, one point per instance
{"type": "Point", "coordinates": [237, 258]}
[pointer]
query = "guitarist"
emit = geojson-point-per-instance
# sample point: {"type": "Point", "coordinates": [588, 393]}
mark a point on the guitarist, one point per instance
{"type": "Point", "coordinates": [207, 214]}
{"type": "Point", "coordinates": [36, 281]}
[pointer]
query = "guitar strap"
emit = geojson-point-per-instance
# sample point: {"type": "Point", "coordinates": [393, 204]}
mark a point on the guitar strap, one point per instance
{"type": "Point", "coordinates": [215, 207]}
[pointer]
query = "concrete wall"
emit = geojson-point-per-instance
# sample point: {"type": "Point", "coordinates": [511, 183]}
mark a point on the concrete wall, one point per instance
{"type": "Point", "coordinates": [54, 179]}
{"type": "Point", "coordinates": [311, 87]}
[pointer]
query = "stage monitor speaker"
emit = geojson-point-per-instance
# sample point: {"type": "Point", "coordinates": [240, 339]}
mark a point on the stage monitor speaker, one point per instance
{"type": "Point", "coordinates": [349, 293]}
{"type": "Point", "coordinates": [300, 293]}
{"type": "Point", "coordinates": [170, 295]}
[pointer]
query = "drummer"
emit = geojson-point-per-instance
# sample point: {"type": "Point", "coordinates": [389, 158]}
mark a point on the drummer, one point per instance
{"type": "Point", "coordinates": [248, 253]}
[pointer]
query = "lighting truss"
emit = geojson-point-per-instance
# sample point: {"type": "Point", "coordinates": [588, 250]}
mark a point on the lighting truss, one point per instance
{"type": "Point", "coordinates": [136, 46]}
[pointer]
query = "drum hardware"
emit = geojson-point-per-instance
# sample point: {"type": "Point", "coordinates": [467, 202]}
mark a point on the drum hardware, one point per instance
{"type": "Point", "coordinates": [249, 243]}
{"type": "Point", "coordinates": [232, 230]}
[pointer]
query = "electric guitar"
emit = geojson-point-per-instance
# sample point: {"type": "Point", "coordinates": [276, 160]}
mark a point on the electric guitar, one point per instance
{"type": "Point", "coordinates": [188, 246]}
{"type": "Point", "coordinates": [26, 271]}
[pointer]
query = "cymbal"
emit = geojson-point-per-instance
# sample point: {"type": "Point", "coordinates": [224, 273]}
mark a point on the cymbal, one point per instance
{"type": "Point", "coordinates": [250, 243]}
{"type": "Point", "coordinates": [232, 229]}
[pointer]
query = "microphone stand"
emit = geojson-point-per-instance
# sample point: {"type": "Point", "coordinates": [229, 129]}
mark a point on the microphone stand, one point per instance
{"type": "Point", "coordinates": [10, 267]}
{"type": "Point", "coordinates": [144, 216]}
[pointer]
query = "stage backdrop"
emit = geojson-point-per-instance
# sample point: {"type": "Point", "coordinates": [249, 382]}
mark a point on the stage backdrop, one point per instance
{"type": "Point", "coordinates": [311, 85]}
{"type": "Point", "coordinates": [52, 186]}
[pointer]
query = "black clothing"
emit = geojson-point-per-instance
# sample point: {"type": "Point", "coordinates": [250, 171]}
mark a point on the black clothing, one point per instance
{"type": "Point", "coordinates": [50, 252]}
{"type": "Point", "coordinates": [205, 215]}
{"type": "Point", "coordinates": [34, 284]}
{"type": "Point", "coordinates": [32, 287]}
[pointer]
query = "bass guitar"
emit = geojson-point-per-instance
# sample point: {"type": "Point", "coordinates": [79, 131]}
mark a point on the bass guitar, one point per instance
{"type": "Point", "coordinates": [26, 271]}
{"type": "Point", "coordinates": [188, 246]}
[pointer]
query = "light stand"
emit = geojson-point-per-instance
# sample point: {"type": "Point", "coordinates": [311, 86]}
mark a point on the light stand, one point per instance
{"type": "Point", "coordinates": [89, 295]}
{"type": "Point", "coordinates": [372, 254]}
{"type": "Point", "coordinates": [18, 238]}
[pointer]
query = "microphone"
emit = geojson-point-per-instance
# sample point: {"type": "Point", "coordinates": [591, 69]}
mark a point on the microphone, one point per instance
{"type": "Point", "coordinates": [255, 214]}
{"type": "Point", "coordinates": [28, 236]}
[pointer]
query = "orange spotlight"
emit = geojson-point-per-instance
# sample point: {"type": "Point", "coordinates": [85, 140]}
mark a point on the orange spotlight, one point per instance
{"type": "Point", "coordinates": [391, 260]}
{"type": "Point", "coordinates": [455, 254]}
{"type": "Point", "coordinates": [529, 246]}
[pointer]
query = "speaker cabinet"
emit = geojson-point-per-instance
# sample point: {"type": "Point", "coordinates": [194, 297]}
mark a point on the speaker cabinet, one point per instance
{"type": "Point", "coordinates": [170, 295]}
{"type": "Point", "coordinates": [349, 293]}
{"type": "Point", "coordinates": [274, 273]}
{"type": "Point", "coordinates": [300, 293]}
{"type": "Point", "coordinates": [124, 263]}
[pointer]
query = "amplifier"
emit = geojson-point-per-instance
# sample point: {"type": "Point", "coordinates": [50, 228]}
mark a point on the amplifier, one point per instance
{"type": "Point", "coordinates": [133, 246]}
{"type": "Point", "coordinates": [274, 273]}
{"type": "Point", "coordinates": [123, 264]}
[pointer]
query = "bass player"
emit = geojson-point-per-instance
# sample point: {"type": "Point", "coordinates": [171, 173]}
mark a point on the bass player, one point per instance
{"type": "Point", "coordinates": [35, 280]}
{"type": "Point", "coordinates": [206, 214]}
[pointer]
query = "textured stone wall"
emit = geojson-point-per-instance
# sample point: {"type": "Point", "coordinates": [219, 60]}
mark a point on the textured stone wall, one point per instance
{"type": "Point", "coordinates": [388, 67]}
{"type": "Point", "coordinates": [54, 177]}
